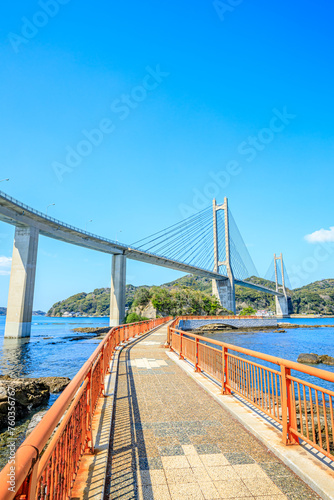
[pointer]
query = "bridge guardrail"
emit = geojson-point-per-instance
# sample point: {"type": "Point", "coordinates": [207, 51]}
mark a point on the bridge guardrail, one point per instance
{"type": "Point", "coordinates": [303, 409]}
{"type": "Point", "coordinates": [59, 223]}
{"type": "Point", "coordinates": [46, 463]}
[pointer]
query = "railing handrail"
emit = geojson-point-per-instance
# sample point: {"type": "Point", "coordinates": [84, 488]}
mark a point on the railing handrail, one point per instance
{"type": "Point", "coordinates": [293, 365]}
{"type": "Point", "coordinates": [303, 409]}
{"type": "Point", "coordinates": [30, 450]}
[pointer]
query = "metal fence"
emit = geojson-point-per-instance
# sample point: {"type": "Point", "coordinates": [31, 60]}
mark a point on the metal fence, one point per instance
{"type": "Point", "coordinates": [47, 462]}
{"type": "Point", "coordinates": [304, 409]}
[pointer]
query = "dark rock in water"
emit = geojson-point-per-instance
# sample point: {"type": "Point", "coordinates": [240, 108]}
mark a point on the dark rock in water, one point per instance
{"type": "Point", "coordinates": [28, 393]}
{"type": "Point", "coordinates": [99, 330]}
{"type": "Point", "coordinates": [315, 359]}
{"type": "Point", "coordinates": [326, 360]}
{"type": "Point", "coordinates": [55, 384]}
{"type": "Point", "coordinates": [214, 327]}
{"type": "Point", "coordinates": [35, 421]}
{"type": "Point", "coordinates": [312, 359]}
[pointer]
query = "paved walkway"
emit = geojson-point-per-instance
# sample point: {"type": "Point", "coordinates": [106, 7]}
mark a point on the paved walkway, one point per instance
{"type": "Point", "coordinates": [171, 440]}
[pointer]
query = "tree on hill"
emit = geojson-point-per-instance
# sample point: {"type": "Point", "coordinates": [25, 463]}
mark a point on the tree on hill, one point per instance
{"type": "Point", "coordinates": [247, 311]}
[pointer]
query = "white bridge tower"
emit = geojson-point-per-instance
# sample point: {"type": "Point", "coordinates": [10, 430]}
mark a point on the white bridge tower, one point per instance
{"type": "Point", "coordinates": [223, 289]}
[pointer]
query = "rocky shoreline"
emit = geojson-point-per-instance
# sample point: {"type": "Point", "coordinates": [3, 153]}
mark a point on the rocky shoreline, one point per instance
{"type": "Point", "coordinates": [98, 330]}
{"type": "Point", "coordinates": [28, 399]}
{"type": "Point", "coordinates": [315, 359]}
{"type": "Point", "coordinates": [24, 395]}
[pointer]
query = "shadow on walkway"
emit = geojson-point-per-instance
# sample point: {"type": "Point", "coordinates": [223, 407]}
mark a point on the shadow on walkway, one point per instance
{"type": "Point", "coordinates": [127, 452]}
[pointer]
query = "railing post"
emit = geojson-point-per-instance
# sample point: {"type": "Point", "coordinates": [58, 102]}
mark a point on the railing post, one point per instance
{"type": "Point", "coordinates": [168, 335]}
{"type": "Point", "coordinates": [181, 338]}
{"type": "Point", "coordinates": [225, 373]}
{"type": "Point", "coordinates": [288, 408]}
{"type": "Point", "coordinates": [102, 371]}
{"type": "Point", "coordinates": [171, 340]}
{"type": "Point", "coordinates": [197, 368]}
{"type": "Point", "coordinates": [32, 489]}
{"type": "Point", "coordinates": [89, 412]}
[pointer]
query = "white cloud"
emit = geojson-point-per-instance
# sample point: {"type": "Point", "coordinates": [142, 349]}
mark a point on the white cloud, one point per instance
{"type": "Point", "coordinates": [321, 235]}
{"type": "Point", "coordinates": [5, 263]}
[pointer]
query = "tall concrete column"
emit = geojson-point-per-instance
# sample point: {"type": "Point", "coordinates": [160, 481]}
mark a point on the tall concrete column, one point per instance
{"type": "Point", "coordinates": [282, 306]}
{"type": "Point", "coordinates": [117, 290]}
{"type": "Point", "coordinates": [281, 302]}
{"type": "Point", "coordinates": [225, 293]}
{"type": "Point", "coordinates": [22, 283]}
{"type": "Point", "coordinates": [223, 290]}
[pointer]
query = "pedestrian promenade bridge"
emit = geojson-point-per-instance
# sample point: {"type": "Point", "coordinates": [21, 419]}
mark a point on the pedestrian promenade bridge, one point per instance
{"type": "Point", "coordinates": [193, 420]}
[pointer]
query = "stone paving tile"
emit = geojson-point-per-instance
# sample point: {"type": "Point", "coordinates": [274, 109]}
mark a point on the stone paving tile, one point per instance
{"type": "Point", "coordinates": [272, 497]}
{"type": "Point", "coordinates": [147, 477]}
{"type": "Point", "coordinates": [170, 440]}
{"type": "Point", "coordinates": [186, 491]}
{"type": "Point", "coordinates": [238, 458]}
{"type": "Point", "coordinates": [158, 492]}
{"type": "Point", "coordinates": [234, 488]}
{"type": "Point", "coordinates": [275, 469]}
{"type": "Point", "coordinates": [222, 473]}
{"type": "Point", "coordinates": [204, 449]}
{"type": "Point", "coordinates": [171, 450]}
{"type": "Point", "coordinates": [175, 462]}
{"type": "Point", "coordinates": [249, 470]}
{"type": "Point", "coordinates": [214, 460]}
{"type": "Point", "coordinates": [261, 487]}
{"type": "Point", "coordinates": [209, 490]}
{"type": "Point", "coordinates": [292, 487]}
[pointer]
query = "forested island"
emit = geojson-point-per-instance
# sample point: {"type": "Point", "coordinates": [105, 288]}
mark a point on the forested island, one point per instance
{"type": "Point", "coordinates": [192, 295]}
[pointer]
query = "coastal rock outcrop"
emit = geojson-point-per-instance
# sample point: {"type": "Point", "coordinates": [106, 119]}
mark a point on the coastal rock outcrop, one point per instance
{"type": "Point", "coordinates": [55, 384]}
{"type": "Point", "coordinates": [315, 359]}
{"type": "Point", "coordinates": [311, 359]}
{"type": "Point", "coordinates": [28, 393]}
{"type": "Point", "coordinates": [326, 360]}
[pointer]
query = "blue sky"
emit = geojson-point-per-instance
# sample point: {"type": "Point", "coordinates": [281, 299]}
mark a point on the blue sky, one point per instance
{"type": "Point", "coordinates": [189, 98]}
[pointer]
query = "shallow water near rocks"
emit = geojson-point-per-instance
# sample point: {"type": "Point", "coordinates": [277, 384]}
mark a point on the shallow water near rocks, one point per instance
{"type": "Point", "coordinates": [288, 344]}
{"type": "Point", "coordinates": [52, 350]}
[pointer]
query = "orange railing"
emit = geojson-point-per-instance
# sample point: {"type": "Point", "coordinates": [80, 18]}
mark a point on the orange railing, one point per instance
{"type": "Point", "coordinates": [303, 408]}
{"type": "Point", "coordinates": [46, 464]}
{"type": "Point", "coordinates": [179, 318]}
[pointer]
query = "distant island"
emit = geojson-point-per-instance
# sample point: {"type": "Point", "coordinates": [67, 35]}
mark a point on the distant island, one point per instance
{"type": "Point", "coordinates": [3, 312]}
{"type": "Point", "coordinates": [192, 295]}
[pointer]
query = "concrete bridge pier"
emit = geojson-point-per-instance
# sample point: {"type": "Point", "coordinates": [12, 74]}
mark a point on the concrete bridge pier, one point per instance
{"type": "Point", "coordinates": [117, 290]}
{"type": "Point", "coordinates": [282, 306]}
{"type": "Point", "coordinates": [225, 293]}
{"type": "Point", "coordinates": [22, 282]}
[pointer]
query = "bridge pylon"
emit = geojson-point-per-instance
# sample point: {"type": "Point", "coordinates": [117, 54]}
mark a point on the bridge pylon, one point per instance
{"type": "Point", "coordinates": [281, 301]}
{"type": "Point", "coordinates": [117, 290]}
{"type": "Point", "coordinates": [223, 289]}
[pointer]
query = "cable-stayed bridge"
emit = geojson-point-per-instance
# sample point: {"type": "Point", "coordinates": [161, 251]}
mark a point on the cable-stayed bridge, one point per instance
{"type": "Point", "coordinates": [207, 244]}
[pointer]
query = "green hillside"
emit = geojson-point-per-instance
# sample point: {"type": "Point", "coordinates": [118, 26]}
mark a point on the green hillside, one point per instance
{"type": "Point", "coordinates": [317, 297]}
{"type": "Point", "coordinates": [96, 303]}
{"type": "Point", "coordinates": [192, 295]}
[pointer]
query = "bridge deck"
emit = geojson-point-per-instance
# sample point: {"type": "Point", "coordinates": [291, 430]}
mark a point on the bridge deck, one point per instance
{"type": "Point", "coordinates": [172, 440]}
